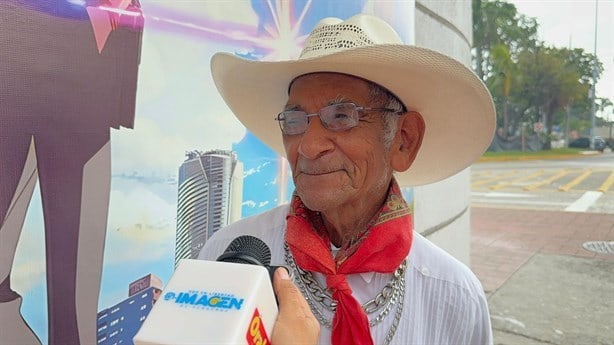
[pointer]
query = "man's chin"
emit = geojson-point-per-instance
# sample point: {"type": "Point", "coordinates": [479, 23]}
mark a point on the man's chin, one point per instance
{"type": "Point", "coordinates": [321, 200]}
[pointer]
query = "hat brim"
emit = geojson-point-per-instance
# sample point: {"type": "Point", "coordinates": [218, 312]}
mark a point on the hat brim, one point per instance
{"type": "Point", "coordinates": [456, 106]}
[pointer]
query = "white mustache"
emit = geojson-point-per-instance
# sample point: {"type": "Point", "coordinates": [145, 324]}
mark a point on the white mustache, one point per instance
{"type": "Point", "coordinates": [318, 168]}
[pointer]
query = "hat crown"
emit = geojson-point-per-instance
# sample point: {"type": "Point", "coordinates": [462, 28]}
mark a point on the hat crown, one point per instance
{"type": "Point", "coordinates": [332, 35]}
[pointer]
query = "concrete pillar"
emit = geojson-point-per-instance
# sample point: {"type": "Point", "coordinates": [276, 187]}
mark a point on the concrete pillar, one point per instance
{"type": "Point", "coordinates": [442, 209]}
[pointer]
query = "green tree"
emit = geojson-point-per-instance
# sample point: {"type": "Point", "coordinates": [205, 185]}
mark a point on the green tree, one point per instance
{"type": "Point", "coordinates": [529, 81]}
{"type": "Point", "coordinates": [498, 22]}
{"type": "Point", "coordinates": [501, 82]}
{"type": "Point", "coordinates": [552, 79]}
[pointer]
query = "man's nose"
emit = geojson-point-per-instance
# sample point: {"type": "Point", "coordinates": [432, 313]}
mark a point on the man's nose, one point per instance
{"type": "Point", "coordinates": [316, 140]}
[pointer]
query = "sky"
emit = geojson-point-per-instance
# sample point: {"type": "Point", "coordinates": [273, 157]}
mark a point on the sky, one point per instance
{"type": "Point", "coordinates": [572, 22]}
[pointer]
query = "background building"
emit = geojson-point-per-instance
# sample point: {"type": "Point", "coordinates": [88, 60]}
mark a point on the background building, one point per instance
{"type": "Point", "coordinates": [209, 197]}
{"type": "Point", "coordinates": [119, 323]}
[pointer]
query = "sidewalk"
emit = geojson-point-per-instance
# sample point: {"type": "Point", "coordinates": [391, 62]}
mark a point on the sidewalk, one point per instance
{"type": "Point", "coordinates": [542, 285]}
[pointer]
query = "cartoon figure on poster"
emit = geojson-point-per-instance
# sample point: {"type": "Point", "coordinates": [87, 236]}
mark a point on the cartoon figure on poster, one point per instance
{"type": "Point", "coordinates": [69, 74]}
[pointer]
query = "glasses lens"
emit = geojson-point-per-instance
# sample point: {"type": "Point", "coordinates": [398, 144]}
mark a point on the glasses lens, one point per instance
{"type": "Point", "coordinates": [339, 117]}
{"type": "Point", "coordinates": [293, 122]}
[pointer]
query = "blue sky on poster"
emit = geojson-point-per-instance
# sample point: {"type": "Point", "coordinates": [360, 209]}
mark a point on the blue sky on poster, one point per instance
{"type": "Point", "coordinates": [566, 22]}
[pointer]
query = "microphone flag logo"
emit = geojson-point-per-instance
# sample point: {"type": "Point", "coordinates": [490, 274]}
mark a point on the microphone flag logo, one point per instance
{"type": "Point", "coordinates": [256, 334]}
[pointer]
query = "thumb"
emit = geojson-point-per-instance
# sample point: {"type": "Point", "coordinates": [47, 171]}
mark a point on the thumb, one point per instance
{"type": "Point", "coordinates": [295, 322]}
{"type": "Point", "coordinates": [291, 301]}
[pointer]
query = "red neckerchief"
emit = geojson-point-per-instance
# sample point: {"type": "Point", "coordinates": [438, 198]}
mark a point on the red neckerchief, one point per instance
{"type": "Point", "coordinates": [381, 248]}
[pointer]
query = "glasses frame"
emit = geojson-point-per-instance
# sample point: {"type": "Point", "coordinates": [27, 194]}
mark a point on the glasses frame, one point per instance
{"type": "Point", "coordinates": [359, 110]}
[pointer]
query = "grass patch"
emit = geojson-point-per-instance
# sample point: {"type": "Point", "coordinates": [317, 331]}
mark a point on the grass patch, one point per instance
{"type": "Point", "coordinates": [527, 155]}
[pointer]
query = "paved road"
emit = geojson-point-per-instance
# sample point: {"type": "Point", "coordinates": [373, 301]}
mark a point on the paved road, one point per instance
{"type": "Point", "coordinates": [547, 274]}
{"type": "Point", "coordinates": [543, 247]}
{"type": "Point", "coordinates": [584, 184]}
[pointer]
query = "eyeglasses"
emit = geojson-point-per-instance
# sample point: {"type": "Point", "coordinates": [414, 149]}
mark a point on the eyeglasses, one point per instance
{"type": "Point", "coordinates": [336, 117]}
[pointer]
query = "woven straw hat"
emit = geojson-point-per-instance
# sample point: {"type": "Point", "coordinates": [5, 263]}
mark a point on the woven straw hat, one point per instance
{"type": "Point", "coordinates": [456, 106]}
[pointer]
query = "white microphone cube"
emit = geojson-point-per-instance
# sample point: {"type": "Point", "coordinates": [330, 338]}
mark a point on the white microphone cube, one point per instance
{"type": "Point", "coordinates": [212, 302]}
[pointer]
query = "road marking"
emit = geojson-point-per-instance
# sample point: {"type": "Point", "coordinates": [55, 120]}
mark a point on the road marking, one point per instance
{"type": "Point", "coordinates": [584, 202]}
{"type": "Point", "coordinates": [576, 181]}
{"type": "Point", "coordinates": [481, 174]}
{"type": "Point", "coordinates": [517, 202]}
{"type": "Point", "coordinates": [507, 183]}
{"type": "Point", "coordinates": [550, 180]}
{"type": "Point", "coordinates": [496, 178]}
{"type": "Point", "coordinates": [607, 183]}
{"type": "Point", "coordinates": [503, 195]}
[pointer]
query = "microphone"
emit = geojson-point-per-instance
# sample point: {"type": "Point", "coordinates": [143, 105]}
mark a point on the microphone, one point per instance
{"type": "Point", "coordinates": [247, 250]}
{"type": "Point", "coordinates": [228, 301]}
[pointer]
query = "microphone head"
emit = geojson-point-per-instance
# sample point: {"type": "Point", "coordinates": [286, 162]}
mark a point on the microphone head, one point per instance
{"type": "Point", "coordinates": [247, 250]}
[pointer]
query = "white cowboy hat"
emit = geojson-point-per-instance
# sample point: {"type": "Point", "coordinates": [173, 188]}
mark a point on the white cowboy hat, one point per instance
{"type": "Point", "coordinates": [456, 106]}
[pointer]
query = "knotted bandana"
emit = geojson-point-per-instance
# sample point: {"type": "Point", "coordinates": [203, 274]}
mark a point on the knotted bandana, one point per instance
{"type": "Point", "coordinates": [380, 248]}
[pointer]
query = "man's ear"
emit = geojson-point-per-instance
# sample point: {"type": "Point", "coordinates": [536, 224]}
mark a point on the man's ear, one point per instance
{"type": "Point", "coordinates": [407, 141]}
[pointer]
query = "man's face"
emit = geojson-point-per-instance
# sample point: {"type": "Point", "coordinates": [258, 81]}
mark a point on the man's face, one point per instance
{"type": "Point", "coordinates": [334, 169]}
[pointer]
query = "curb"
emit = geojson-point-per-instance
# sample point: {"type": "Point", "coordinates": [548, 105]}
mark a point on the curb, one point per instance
{"type": "Point", "coordinates": [537, 157]}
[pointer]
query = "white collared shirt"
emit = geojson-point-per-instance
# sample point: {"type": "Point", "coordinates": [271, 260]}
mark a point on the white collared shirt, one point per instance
{"type": "Point", "coordinates": [444, 302]}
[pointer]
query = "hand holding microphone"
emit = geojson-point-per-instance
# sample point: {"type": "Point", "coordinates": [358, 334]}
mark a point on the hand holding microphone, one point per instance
{"type": "Point", "coordinates": [229, 301]}
{"type": "Point", "coordinates": [295, 323]}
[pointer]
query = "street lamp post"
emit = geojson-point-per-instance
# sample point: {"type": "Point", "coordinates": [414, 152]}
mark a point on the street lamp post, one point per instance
{"type": "Point", "coordinates": [594, 86]}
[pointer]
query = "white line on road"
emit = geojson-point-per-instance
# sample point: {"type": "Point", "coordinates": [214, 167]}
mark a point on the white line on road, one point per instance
{"type": "Point", "coordinates": [584, 202]}
{"type": "Point", "coordinates": [517, 202]}
{"type": "Point", "coordinates": [503, 195]}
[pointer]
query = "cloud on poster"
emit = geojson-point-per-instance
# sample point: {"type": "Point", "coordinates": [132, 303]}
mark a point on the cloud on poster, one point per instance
{"type": "Point", "coordinates": [249, 203]}
{"type": "Point", "coordinates": [178, 108]}
{"type": "Point", "coordinates": [28, 273]}
{"type": "Point", "coordinates": [141, 227]}
{"type": "Point", "coordinates": [154, 148]}
{"type": "Point", "coordinates": [256, 169]}
{"type": "Point", "coordinates": [272, 182]}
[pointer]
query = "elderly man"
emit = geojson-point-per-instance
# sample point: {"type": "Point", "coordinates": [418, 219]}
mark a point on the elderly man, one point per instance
{"type": "Point", "coordinates": [361, 114]}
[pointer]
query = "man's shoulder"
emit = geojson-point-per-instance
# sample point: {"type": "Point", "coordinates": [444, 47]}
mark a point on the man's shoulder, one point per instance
{"type": "Point", "coordinates": [447, 295]}
{"type": "Point", "coordinates": [266, 226]}
{"type": "Point", "coordinates": [260, 224]}
{"type": "Point", "coordinates": [432, 262]}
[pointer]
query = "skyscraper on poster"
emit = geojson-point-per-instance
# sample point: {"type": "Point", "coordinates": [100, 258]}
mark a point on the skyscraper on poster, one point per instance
{"type": "Point", "coordinates": [210, 187]}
